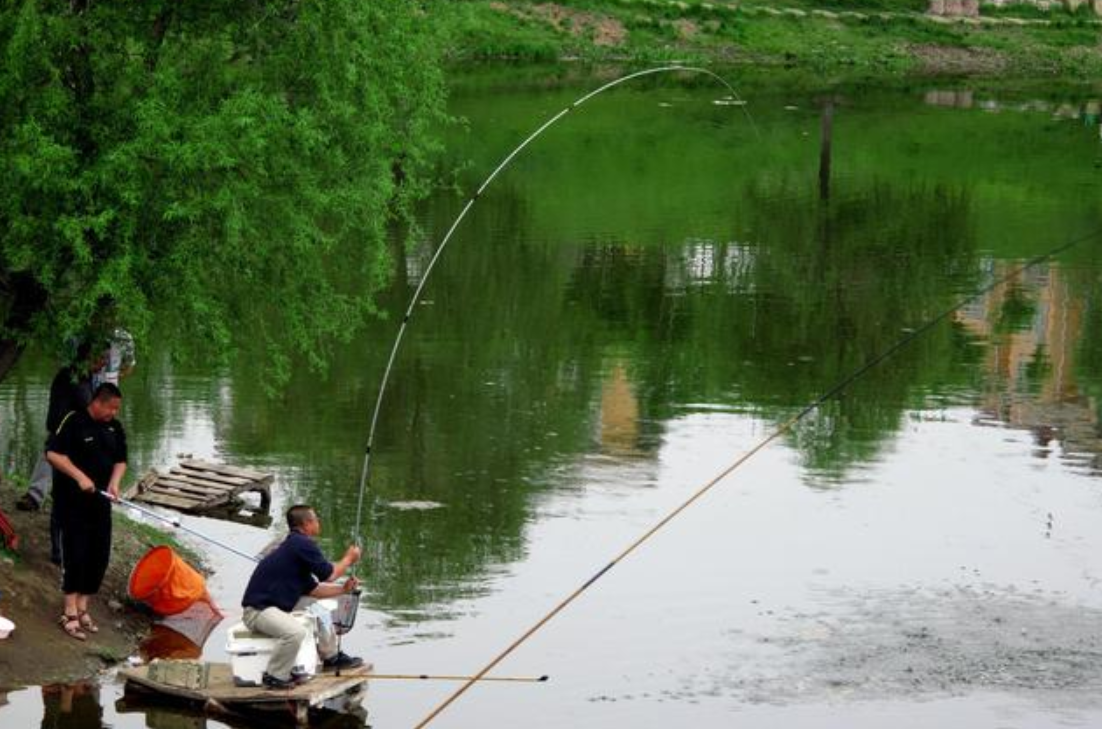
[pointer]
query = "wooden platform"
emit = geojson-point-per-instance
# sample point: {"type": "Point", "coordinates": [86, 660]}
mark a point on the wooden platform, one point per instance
{"type": "Point", "coordinates": [211, 686]}
{"type": "Point", "coordinates": [199, 486]}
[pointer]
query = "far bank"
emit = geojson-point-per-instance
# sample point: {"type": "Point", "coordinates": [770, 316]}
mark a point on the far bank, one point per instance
{"type": "Point", "coordinates": [874, 38]}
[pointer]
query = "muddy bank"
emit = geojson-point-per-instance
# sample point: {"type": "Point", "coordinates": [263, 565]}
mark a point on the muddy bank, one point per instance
{"type": "Point", "coordinates": [38, 652]}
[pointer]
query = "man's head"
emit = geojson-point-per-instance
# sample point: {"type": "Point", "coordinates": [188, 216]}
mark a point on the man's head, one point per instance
{"type": "Point", "coordinates": [301, 518]}
{"type": "Point", "coordinates": [105, 402]}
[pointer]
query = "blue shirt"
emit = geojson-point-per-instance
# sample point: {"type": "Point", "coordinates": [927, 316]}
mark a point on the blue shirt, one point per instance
{"type": "Point", "coordinates": [294, 569]}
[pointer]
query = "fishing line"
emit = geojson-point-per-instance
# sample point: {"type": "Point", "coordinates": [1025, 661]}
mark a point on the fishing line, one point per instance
{"type": "Point", "coordinates": [366, 469]}
{"type": "Point", "coordinates": [179, 525]}
{"type": "Point", "coordinates": [779, 431]}
{"type": "Point", "coordinates": [429, 677]}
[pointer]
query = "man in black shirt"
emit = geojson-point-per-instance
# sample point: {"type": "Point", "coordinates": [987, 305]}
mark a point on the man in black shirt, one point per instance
{"type": "Point", "coordinates": [285, 580]}
{"type": "Point", "coordinates": [88, 454]}
{"type": "Point", "coordinates": [70, 390]}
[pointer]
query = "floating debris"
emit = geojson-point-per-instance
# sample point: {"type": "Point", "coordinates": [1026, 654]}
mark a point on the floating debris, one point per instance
{"type": "Point", "coordinates": [414, 505]}
{"type": "Point", "coordinates": [728, 101]}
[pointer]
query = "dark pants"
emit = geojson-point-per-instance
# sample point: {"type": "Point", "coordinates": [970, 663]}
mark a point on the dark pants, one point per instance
{"type": "Point", "coordinates": [55, 536]}
{"type": "Point", "coordinates": [85, 542]}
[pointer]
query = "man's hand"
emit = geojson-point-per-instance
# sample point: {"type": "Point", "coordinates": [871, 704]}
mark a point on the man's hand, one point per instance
{"type": "Point", "coordinates": [113, 492]}
{"type": "Point", "coordinates": [352, 554]}
{"type": "Point", "coordinates": [351, 584]}
{"type": "Point", "coordinates": [86, 484]}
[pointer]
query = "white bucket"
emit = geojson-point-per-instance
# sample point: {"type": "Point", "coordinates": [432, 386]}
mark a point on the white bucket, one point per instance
{"type": "Point", "coordinates": [6, 627]}
{"type": "Point", "coordinates": [249, 652]}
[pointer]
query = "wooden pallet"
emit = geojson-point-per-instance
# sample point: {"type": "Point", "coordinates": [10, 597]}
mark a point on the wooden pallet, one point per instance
{"type": "Point", "coordinates": [211, 687]}
{"type": "Point", "coordinates": [199, 486]}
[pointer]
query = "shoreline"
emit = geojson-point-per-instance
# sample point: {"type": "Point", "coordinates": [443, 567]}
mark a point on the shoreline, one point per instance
{"type": "Point", "coordinates": [38, 652]}
{"type": "Point", "coordinates": [889, 40]}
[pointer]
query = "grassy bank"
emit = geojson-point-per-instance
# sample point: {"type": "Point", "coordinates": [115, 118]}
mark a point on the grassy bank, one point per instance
{"type": "Point", "coordinates": [869, 37]}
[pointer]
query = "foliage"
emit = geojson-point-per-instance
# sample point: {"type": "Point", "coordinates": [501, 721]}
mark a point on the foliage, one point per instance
{"type": "Point", "coordinates": [211, 167]}
{"type": "Point", "coordinates": [856, 37]}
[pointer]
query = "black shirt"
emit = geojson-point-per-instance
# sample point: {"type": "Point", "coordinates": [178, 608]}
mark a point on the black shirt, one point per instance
{"type": "Point", "coordinates": [92, 446]}
{"type": "Point", "coordinates": [294, 569]}
{"type": "Point", "coordinates": [68, 392]}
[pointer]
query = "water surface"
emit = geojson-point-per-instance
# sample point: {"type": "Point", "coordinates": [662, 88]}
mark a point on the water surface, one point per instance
{"type": "Point", "coordinates": [652, 289]}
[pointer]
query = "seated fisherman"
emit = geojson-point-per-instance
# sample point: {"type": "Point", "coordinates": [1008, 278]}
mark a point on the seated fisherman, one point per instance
{"type": "Point", "coordinates": [290, 578]}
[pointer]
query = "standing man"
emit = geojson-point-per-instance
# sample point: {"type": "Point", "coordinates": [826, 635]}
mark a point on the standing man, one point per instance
{"type": "Point", "coordinates": [70, 390]}
{"type": "Point", "coordinates": [118, 359]}
{"type": "Point", "coordinates": [288, 579]}
{"type": "Point", "coordinates": [88, 453]}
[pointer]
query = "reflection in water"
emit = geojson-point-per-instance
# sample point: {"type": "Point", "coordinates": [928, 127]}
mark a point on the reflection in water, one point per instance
{"type": "Point", "coordinates": [697, 288]}
{"type": "Point", "coordinates": [1033, 330]}
{"type": "Point", "coordinates": [182, 635]}
{"type": "Point", "coordinates": [71, 706]}
{"type": "Point", "coordinates": [1088, 111]}
{"type": "Point", "coordinates": [619, 415]}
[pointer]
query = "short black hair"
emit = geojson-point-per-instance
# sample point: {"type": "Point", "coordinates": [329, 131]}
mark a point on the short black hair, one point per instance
{"type": "Point", "coordinates": [298, 515]}
{"type": "Point", "coordinates": [107, 391]}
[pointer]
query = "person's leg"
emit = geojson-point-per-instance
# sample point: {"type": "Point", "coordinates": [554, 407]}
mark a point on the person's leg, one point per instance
{"type": "Point", "coordinates": [71, 552]}
{"type": "Point", "coordinates": [70, 620]}
{"type": "Point", "coordinates": [331, 655]}
{"type": "Point", "coordinates": [41, 477]}
{"type": "Point", "coordinates": [86, 621]}
{"type": "Point", "coordinates": [326, 634]}
{"type": "Point", "coordinates": [97, 554]}
{"type": "Point", "coordinates": [98, 545]}
{"type": "Point", "coordinates": [289, 634]}
{"type": "Point", "coordinates": [74, 567]}
{"type": "Point", "coordinates": [55, 536]}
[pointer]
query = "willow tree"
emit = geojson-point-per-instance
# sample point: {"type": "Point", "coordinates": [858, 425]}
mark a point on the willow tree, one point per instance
{"type": "Point", "coordinates": [225, 171]}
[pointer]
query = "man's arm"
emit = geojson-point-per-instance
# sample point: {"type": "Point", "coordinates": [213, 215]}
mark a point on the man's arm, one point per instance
{"type": "Point", "coordinates": [332, 589]}
{"type": "Point", "coordinates": [61, 462]}
{"type": "Point", "coordinates": [117, 473]}
{"type": "Point", "coordinates": [351, 557]}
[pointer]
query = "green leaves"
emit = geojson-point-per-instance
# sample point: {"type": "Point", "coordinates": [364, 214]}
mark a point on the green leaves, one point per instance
{"type": "Point", "coordinates": [229, 173]}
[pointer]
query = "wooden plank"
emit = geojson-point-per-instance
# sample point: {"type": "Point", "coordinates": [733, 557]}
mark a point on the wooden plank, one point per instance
{"type": "Point", "coordinates": [166, 500]}
{"type": "Point", "coordinates": [210, 477]}
{"type": "Point", "coordinates": [191, 485]}
{"type": "Point", "coordinates": [222, 468]}
{"type": "Point", "coordinates": [203, 500]}
{"type": "Point", "coordinates": [221, 688]}
{"type": "Point", "coordinates": [136, 488]}
{"type": "Point", "coordinates": [190, 499]}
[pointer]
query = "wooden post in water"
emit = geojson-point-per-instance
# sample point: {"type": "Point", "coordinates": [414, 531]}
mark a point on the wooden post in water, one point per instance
{"type": "Point", "coordinates": [826, 135]}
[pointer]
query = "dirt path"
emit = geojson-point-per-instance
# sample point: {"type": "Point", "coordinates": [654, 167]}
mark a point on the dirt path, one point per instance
{"type": "Point", "coordinates": [38, 652]}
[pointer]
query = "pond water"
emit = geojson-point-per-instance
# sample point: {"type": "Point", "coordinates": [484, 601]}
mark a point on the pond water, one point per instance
{"type": "Point", "coordinates": [654, 287]}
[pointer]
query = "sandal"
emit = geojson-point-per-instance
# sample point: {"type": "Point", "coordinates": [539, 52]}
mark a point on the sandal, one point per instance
{"type": "Point", "coordinates": [71, 625]}
{"type": "Point", "coordinates": [86, 622]}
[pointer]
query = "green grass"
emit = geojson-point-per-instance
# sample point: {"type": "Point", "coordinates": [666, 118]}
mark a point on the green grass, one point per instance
{"type": "Point", "coordinates": [150, 536]}
{"type": "Point", "coordinates": [696, 31]}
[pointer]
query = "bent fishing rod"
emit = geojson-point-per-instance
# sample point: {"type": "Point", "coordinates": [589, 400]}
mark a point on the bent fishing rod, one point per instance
{"type": "Point", "coordinates": [366, 470]}
{"type": "Point", "coordinates": [785, 427]}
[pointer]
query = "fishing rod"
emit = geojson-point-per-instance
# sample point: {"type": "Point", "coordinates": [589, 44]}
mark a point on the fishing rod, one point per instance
{"type": "Point", "coordinates": [787, 425]}
{"type": "Point", "coordinates": [427, 677]}
{"type": "Point", "coordinates": [177, 523]}
{"type": "Point", "coordinates": [366, 469]}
